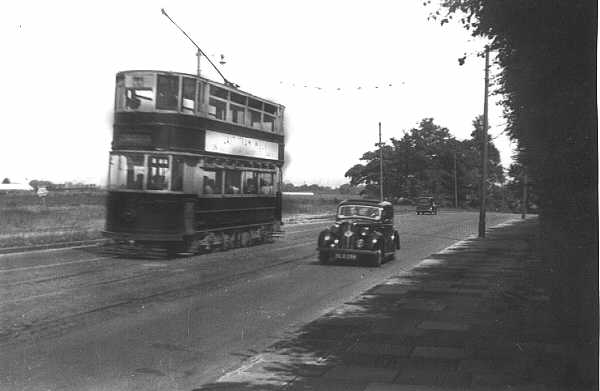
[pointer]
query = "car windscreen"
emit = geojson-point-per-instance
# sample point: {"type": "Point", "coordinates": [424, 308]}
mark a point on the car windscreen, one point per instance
{"type": "Point", "coordinates": [370, 212]}
{"type": "Point", "coordinates": [424, 201]}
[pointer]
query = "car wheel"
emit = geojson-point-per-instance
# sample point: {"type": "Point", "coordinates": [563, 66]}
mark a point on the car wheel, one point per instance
{"type": "Point", "coordinates": [323, 257]}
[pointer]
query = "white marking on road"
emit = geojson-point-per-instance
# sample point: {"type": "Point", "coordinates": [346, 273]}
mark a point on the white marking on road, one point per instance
{"type": "Point", "coordinates": [47, 250]}
{"type": "Point", "coordinates": [18, 269]}
{"type": "Point", "coordinates": [22, 299]}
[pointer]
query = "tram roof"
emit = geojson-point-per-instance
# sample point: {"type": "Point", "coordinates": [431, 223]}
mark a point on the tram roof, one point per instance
{"type": "Point", "coordinates": [229, 87]}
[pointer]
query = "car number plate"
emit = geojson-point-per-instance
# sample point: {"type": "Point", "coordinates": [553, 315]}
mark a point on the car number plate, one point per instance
{"type": "Point", "coordinates": [345, 256]}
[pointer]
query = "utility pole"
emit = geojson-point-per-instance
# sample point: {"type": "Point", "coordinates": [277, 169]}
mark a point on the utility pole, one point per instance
{"type": "Point", "coordinates": [380, 165]}
{"type": "Point", "coordinates": [524, 200]}
{"type": "Point", "coordinates": [484, 148]}
{"type": "Point", "coordinates": [455, 184]}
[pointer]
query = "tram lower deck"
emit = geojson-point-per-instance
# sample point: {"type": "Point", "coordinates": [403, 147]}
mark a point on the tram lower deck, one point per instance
{"type": "Point", "coordinates": [191, 224]}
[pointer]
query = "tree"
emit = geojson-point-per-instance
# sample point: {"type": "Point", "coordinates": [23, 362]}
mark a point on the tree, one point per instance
{"type": "Point", "coordinates": [5, 181]}
{"type": "Point", "coordinates": [422, 163]}
{"type": "Point", "coordinates": [547, 54]}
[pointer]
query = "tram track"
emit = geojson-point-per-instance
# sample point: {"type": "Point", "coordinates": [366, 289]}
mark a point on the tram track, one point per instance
{"type": "Point", "coordinates": [56, 326]}
{"type": "Point", "coordinates": [131, 278]}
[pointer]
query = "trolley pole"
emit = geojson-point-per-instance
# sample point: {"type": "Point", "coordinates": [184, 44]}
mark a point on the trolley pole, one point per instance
{"type": "Point", "coordinates": [484, 147]}
{"type": "Point", "coordinates": [198, 54]}
{"type": "Point", "coordinates": [380, 166]}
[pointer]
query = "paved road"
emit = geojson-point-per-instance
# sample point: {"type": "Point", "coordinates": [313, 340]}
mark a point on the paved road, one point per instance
{"type": "Point", "coordinates": [76, 320]}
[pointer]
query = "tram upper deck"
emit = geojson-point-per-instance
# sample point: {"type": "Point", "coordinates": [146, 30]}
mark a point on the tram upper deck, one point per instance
{"type": "Point", "coordinates": [147, 91]}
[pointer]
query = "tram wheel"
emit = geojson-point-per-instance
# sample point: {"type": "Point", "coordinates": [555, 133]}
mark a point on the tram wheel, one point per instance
{"type": "Point", "coordinates": [245, 239]}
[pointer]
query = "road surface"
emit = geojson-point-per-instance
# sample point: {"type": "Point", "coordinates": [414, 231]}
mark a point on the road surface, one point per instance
{"type": "Point", "coordinates": [73, 319]}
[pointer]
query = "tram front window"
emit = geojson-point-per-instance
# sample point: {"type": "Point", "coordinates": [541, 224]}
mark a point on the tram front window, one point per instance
{"type": "Point", "coordinates": [168, 91]}
{"type": "Point", "coordinates": [158, 173]}
{"type": "Point", "coordinates": [135, 92]}
{"type": "Point", "coordinates": [188, 95]}
{"type": "Point", "coordinates": [127, 172]}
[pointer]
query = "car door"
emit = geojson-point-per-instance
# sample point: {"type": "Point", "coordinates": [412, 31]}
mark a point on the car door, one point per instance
{"type": "Point", "coordinates": [388, 229]}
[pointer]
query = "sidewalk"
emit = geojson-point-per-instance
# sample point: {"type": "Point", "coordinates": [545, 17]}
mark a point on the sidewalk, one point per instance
{"type": "Point", "coordinates": [472, 317]}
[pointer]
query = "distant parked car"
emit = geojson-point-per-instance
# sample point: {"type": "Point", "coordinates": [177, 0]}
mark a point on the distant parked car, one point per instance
{"type": "Point", "coordinates": [426, 205]}
{"type": "Point", "coordinates": [363, 230]}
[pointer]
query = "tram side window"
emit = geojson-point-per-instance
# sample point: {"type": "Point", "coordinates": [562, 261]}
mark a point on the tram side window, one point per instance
{"type": "Point", "coordinates": [188, 95]}
{"type": "Point", "coordinates": [265, 180]}
{"type": "Point", "coordinates": [233, 179]}
{"type": "Point", "coordinates": [127, 172]}
{"type": "Point", "coordinates": [212, 180]}
{"type": "Point", "coordinates": [255, 120]}
{"type": "Point", "coordinates": [216, 108]}
{"type": "Point", "coordinates": [268, 123]}
{"type": "Point", "coordinates": [158, 173]}
{"type": "Point", "coordinates": [249, 181]}
{"type": "Point", "coordinates": [218, 92]}
{"type": "Point", "coordinates": [236, 113]}
{"type": "Point", "coordinates": [168, 89]}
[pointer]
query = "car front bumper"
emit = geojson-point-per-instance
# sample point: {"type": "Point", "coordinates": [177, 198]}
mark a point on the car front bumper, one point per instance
{"type": "Point", "coordinates": [347, 251]}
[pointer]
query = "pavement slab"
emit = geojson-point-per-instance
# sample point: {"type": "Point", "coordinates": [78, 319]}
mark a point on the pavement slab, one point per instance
{"type": "Point", "coordinates": [444, 326]}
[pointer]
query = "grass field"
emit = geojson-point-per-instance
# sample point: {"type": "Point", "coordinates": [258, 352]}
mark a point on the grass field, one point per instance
{"type": "Point", "coordinates": [25, 219]}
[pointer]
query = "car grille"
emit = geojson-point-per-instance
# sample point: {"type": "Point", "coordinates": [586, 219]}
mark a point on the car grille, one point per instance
{"type": "Point", "coordinates": [348, 236]}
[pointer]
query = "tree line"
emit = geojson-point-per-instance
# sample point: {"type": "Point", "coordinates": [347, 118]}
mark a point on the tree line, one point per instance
{"type": "Point", "coordinates": [547, 54]}
{"type": "Point", "coordinates": [429, 161]}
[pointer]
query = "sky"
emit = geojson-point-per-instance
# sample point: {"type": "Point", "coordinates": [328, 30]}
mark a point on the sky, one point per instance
{"type": "Point", "coordinates": [321, 59]}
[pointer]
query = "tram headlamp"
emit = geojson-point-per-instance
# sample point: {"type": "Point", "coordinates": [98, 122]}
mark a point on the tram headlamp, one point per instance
{"type": "Point", "coordinates": [128, 215]}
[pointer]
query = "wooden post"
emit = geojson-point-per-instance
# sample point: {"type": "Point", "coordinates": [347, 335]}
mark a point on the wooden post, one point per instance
{"type": "Point", "coordinates": [484, 148]}
{"type": "Point", "coordinates": [380, 166]}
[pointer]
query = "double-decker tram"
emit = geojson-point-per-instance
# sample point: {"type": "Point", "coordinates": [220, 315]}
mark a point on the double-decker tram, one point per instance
{"type": "Point", "coordinates": [195, 165]}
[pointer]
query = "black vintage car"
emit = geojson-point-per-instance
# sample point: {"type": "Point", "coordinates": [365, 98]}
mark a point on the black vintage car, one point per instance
{"type": "Point", "coordinates": [363, 230]}
{"type": "Point", "coordinates": [426, 205]}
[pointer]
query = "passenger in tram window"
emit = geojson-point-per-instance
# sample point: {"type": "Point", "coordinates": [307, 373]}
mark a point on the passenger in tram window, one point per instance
{"type": "Point", "coordinates": [209, 185]}
{"type": "Point", "coordinates": [266, 183]}
{"type": "Point", "coordinates": [232, 190]}
{"type": "Point", "coordinates": [250, 187]}
{"type": "Point", "coordinates": [139, 181]}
